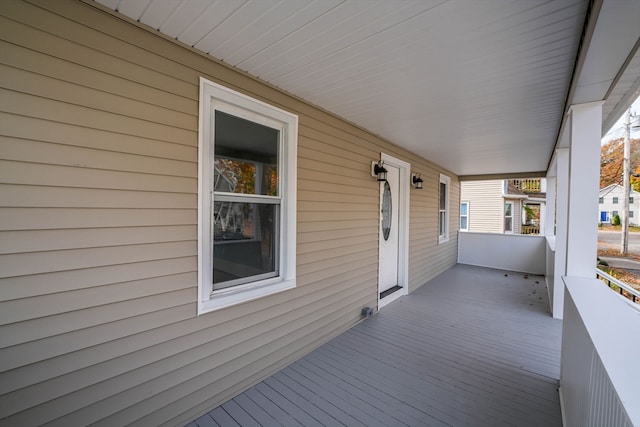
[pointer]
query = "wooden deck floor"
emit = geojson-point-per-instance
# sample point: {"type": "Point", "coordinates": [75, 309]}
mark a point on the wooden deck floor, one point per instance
{"type": "Point", "coordinates": [474, 347]}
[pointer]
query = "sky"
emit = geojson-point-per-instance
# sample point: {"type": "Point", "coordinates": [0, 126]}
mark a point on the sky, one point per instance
{"type": "Point", "coordinates": [617, 130]}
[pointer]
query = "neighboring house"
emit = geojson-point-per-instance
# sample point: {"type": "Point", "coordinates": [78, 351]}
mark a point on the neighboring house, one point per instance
{"type": "Point", "coordinates": [610, 204]}
{"type": "Point", "coordinates": [502, 206]}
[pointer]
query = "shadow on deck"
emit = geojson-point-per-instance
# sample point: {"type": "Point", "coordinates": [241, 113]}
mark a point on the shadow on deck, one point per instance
{"type": "Point", "coordinates": [474, 346]}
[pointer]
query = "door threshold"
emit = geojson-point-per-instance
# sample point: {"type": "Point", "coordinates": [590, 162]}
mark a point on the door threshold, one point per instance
{"type": "Point", "coordinates": [390, 291]}
{"type": "Point", "coordinates": [390, 297]}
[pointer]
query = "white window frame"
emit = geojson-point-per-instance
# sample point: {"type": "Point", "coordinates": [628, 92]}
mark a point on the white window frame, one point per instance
{"type": "Point", "coordinates": [216, 97]}
{"type": "Point", "coordinates": [614, 200]}
{"type": "Point", "coordinates": [464, 216]}
{"type": "Point", "coordinates": [504, 216]}
{"type": "Point", "coordinates": [443, 235]}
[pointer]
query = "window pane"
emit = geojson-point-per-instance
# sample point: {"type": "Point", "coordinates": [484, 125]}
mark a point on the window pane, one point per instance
{"type": "Point", "coordinates": [507, 209]}
{"type": "Point", "coordinates": [463, 208]}
{"type": "Point", "coordinates": [631, 200]}
{"type": "Point", "coordinates": [615, 200]}
{"type": "Point", "coordinates": [245, 236]}
{"type": "Point", "coordinates": [443, 196]}
{"type": "Point", "coordinates": [463, 223]}
{"type": "Point", "coordinates": [601, 200]}
{"type": "Point", "coordinates": [246, 156]}
{"type": "Point", "coordinates": [507, 224]}
{"type": "Point", "coordinates": [442, 223]}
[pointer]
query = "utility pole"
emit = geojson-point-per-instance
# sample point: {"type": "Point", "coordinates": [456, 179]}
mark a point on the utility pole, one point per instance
{"type": "Point", "coordinates": [626, 182]}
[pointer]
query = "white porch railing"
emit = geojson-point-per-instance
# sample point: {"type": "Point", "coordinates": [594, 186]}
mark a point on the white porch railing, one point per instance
{"type": "Point", "coordinates": [599, 379]}
{"type": "Point", "coordinates": [624, 289]}
{"type": "Point", "coordinates": [503, 251]}
{"type": "Point", "coordinates": [531, 185]}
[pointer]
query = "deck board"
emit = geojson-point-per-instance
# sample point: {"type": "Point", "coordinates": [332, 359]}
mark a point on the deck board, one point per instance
{"type": "Point", "coordinates": [475, 346]}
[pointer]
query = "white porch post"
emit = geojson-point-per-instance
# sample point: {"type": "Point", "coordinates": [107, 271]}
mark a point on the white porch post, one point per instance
{"type": "Point", "coordinates": [550, 207]}
{"type": "Point", "coordinates": [584, 178]}
{"type": "Point", "coordinates": [562, 215]}
{"type": "Point", "coordinates": [577, 177]}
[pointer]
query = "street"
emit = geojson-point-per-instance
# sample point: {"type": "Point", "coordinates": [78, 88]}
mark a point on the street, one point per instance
{"type": "Point", "coordinates": [612, 240]}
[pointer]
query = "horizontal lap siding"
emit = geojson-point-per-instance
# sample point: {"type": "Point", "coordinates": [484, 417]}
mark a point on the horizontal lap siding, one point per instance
{"type": "Point", "coordinates": [98, 228]}
{"type": "Point", "coordinates": [486, 205]}
{"type": "Point", "coordinates": [427, 257]}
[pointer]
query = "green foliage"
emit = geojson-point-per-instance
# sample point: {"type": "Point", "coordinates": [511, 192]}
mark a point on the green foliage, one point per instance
{"type": "Point", "coordinates": [531, 214]}
{"type": "Point", "coordinates": [616, 220]}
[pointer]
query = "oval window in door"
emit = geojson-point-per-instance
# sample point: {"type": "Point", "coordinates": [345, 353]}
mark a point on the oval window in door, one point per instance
{"type": "Point", "coordinates": [386, 211]}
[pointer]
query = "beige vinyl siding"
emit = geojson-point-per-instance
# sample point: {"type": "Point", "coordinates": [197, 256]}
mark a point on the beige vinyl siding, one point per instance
{"type": "Point", "coordinates": [98, 228]}
{"type": "Point", "coordinates": [486, 205]}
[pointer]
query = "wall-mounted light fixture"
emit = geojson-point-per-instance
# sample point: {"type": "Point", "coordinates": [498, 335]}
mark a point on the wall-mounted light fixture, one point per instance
{"type": "Point", "coordinates": [378, 170]}
{"type": "Point", "coordinates": [416, 181]}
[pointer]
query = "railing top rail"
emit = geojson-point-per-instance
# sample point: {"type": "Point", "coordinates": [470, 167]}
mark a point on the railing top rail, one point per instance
{"type": "Point", "coordinates": [617, 282]}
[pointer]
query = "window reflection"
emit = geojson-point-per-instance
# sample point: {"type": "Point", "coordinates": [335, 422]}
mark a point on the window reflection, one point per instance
{"type": "Point", "coordinates": [246, 201]}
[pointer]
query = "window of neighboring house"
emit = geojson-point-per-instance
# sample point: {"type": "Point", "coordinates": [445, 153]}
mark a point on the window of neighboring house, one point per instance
{"type": "Point", "coordinates": [615, 200]}
{"type": "Point", "coordinates": [443, 209]}
{"type": "Point", "coordinates": [614, 213]}
{"type": "Point", "coordinates": [508, 217]}
{"type": "Point", "coordinates": [246, 212]}
{"type": "Point", "coordinates": [464, 216]}
{"type": "Point", "coordinates": [601, 200]}
{"type": "Point", "coordinates": [631, 199]}
{"type": "Point", "coordinates": [630, 214]}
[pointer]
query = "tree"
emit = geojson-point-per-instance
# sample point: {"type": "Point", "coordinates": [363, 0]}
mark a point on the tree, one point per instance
{"type": "Point", "coordinates": [611, 157]}
{"type": "Point", "coordinates": [635, 180]}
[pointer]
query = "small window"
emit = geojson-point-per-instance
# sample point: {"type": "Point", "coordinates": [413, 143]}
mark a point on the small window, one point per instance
{"type": "Point", "coordinates": [631, 199]}
{"type": "Point", "coordinates": [615, 200]}
{"type": "Point", "coordinates": [614, 213]}
{"type": "Point", "coordinates": [601, 200]}
{"type": "Point", "coordinates": [630, 214]}
{"type": "Point", "coordinates": [246, 215]}
{"type": "Point", "coordinates": [508, 217]}
{"type": "Point", "coordinates": [443, 209]}
{"type": "Point", "coordinates": [464, 216]}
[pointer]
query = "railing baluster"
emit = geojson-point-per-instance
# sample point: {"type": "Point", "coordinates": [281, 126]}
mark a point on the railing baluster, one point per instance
{"type": "Point", "coordinates": [611, 281]}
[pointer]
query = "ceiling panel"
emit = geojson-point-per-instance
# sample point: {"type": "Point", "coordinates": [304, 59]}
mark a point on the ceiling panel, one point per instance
{"type": "Point", "coordinates": [477, 87]}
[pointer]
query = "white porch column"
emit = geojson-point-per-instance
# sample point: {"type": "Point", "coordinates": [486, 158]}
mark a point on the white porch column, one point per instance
{"type": "Point", "coordinates": [550, 207]}
{"type": "Point", "coordinates": [584, 178]}
{"type": "Point", "coordinates": [562, 214]}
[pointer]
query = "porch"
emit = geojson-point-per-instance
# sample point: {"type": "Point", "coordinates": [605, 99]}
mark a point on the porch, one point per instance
{"type": "Point", "coordinates": [474, 346]}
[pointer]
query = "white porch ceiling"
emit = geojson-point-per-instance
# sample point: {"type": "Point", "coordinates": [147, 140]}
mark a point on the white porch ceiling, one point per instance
{"type": "Point", "coordinates": [477, 87]}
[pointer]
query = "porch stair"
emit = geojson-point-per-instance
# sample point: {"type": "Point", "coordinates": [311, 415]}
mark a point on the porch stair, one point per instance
{"type": "Point", "coordinates": [475, 346]}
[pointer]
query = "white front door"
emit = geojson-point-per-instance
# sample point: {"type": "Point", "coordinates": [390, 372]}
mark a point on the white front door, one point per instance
{"type": "Point", "coordinates": [389, 233]}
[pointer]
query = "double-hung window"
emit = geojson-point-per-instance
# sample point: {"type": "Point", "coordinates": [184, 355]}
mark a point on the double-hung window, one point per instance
{"type": "Point", "coordinates": [508, 217]}
{"type": "Point", "coordinates": [464, 216]}
{"type": "Point", "coordinates": [443, 209]}
{"type": "Point", "coordinates": [247, 188]}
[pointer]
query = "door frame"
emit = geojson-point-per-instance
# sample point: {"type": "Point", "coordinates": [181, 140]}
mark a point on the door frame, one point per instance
{"type": "Point", "coordinates": [403, 231]}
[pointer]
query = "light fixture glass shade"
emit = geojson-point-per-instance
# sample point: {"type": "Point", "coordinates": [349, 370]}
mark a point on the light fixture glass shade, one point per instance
{"type": "Point", "coordinates": [379, 171]}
